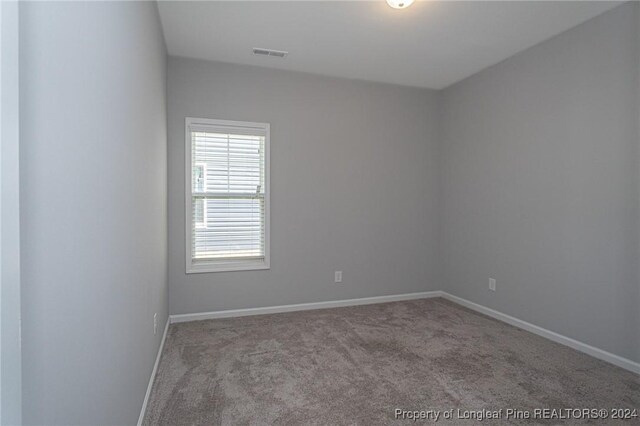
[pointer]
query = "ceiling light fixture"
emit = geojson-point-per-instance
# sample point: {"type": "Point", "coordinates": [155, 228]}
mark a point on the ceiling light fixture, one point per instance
{"type": "Point", "coordinates": [399, 4]}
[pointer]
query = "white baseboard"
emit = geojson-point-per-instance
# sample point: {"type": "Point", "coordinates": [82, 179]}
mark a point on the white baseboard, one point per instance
{"type": "Point", "coordinates": [153, 374]}
{"type": "Point", "coordinates": [302, 306]}
{"type": "Point", "coordinates": [625, 363]}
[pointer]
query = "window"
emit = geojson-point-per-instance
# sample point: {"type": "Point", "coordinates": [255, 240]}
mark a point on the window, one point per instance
{"type": "Point", "coordinates": [227, 202]}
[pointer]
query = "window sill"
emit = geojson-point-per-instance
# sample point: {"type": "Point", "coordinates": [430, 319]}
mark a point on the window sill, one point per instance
{"type": "Point", "coordinates": [203, 267]}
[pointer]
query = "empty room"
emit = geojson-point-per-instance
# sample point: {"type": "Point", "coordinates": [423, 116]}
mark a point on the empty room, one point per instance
{"type": "Point", "coordinates": [319, 212]}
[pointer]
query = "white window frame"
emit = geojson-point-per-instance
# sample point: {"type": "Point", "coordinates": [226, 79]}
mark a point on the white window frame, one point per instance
{"type": "Point", "coordinates": [225, 265]}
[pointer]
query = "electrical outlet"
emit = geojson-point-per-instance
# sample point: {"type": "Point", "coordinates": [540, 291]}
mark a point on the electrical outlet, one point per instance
{"type": "Point", "coordinates": [338, 276]}
{"type": "Point", "coordinates": [155, 323]}
{"type": "Point", "coordinates": [492, 284]}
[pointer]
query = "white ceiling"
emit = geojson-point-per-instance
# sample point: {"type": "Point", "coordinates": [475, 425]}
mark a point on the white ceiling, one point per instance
{"type": "Point", "coordinates": [431, 44]}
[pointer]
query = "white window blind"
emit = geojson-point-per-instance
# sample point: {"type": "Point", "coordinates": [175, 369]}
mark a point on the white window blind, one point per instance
{"type": "Point", "coordinates": [227, 202]}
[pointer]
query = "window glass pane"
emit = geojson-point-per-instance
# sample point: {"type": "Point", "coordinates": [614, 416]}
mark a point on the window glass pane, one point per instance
{"type": "Point", "coordinates": [199, 212]}
{"type": "Point", "coordinates": [235, 229]}
{"type": "Point", "coordinates": [229, 222]}
{"type": "Point", "coordinates": [229, 163]}
{"type": "Point", "coordinates": [199, 178]}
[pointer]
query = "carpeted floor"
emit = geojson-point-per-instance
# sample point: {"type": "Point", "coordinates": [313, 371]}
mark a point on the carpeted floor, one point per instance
{"type": "Point", "coordinates": [357, 365]}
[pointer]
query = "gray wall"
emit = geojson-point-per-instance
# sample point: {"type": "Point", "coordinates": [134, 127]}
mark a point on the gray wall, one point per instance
{"type": "Point", "coordinates": [353, 185]}
{"type": "Point", "coordinates": [10, 356]}
{"type": "Point", "coordinates": [93, 208]}
{"type": "Point", "coordinates": [637, 312]}
{"type": "Point", "coordinates": [540, 184]}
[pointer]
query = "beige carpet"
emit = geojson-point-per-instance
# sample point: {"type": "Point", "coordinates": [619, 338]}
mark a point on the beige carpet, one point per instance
{"type": "Point", "coordinates": [357, 365]}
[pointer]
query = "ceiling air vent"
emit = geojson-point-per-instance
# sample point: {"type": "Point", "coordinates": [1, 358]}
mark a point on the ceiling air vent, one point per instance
{"type": "Point", "coordinates": [269, 52]}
